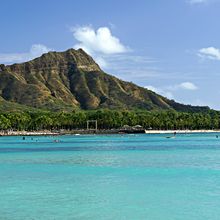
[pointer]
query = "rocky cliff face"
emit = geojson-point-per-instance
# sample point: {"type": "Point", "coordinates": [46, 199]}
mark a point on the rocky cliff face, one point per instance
{"type": "Point", "coordinates": [71, 79]}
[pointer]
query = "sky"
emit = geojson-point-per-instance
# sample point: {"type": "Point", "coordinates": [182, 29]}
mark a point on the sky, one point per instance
{"type": "Point", "coordinates": [171, 47]}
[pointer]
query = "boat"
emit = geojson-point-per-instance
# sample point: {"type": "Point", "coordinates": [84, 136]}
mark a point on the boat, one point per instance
{"type": "Point", "coordinates": [170, 137]}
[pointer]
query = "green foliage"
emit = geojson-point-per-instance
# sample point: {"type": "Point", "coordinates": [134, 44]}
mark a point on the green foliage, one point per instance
{"type": "Point", "coordinates": [108, 119]}
{"type": "Point", "coordinates": [4, 123]}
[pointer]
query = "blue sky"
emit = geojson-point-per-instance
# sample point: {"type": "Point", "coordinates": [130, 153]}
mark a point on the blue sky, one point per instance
{"type": "Point", "coordinates": [171, 47]}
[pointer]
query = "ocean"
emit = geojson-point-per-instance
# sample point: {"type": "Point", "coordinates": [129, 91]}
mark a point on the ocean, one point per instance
{"type": "Point", "coordinates": [112, 177]}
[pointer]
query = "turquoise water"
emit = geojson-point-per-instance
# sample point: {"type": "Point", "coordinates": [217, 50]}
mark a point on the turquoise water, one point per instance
{"type": "Point", "coordinates": [110, 177]}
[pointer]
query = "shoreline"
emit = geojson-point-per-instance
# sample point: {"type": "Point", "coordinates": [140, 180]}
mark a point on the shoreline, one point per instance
{"type": "Point", "coordinates": [181, 131]}
{"type": "Point", "coordinates": [99, 132]}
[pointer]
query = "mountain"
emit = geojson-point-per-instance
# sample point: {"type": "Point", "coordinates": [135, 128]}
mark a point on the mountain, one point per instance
{"type": "Point", "coordinates": [72, 80]}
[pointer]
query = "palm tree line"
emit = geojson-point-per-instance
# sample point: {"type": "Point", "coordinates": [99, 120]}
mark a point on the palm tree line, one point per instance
{"type": "Point", "coordinates": [109, 119]}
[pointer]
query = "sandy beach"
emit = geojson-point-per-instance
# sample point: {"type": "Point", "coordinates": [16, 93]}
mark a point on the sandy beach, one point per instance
{"type": "Point", "coordinates": [180, 131]}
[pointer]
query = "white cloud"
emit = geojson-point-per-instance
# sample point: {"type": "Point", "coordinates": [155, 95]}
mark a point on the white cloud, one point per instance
{"type": "Point", "coordinates": [36, 50]}
{"type": "Point", "coordinates": [188, 86]}
{"type": "Point", "coordinates": [97, 41]}
{"type": "Point", "coordinates": [183, 86]}
{"type": "Point", "coordinates": [168, 91]}
{"type": "Point", "coordinates": [197, 1]}
{"type": "Point", "coordinates": [211, 53]}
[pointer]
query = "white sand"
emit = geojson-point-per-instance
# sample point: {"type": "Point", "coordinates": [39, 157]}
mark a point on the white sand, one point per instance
{"type": "Point", "coordinates": [180, 131]}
